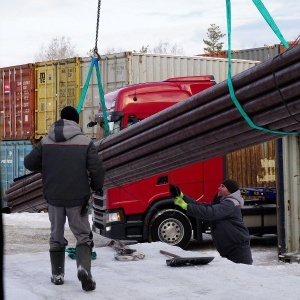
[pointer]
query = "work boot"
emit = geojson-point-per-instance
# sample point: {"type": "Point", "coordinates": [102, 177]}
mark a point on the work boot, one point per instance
{"type": "Point", "coordinates": [57, 258]}
{"type": "Point", "coordinates": [83, 260]}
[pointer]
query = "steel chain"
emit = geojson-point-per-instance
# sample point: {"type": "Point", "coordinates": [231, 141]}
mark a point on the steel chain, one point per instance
{"type": "Point", "coordinates": [97, 29]}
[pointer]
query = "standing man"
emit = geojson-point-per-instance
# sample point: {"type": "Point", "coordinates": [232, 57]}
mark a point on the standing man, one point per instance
{"type": "Point", "coordinates": [230, 235]}
{"type": "Point", "coordinates": [70, 167]}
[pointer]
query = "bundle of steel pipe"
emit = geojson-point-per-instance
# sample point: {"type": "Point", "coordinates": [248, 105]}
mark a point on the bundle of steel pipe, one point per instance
{"type": "Point", "coordinates": [33, 205]}
{"type": "Point", "coordinates": [274, 102]}
{"type": "Point", "coordinates": [205, 125]}
{"type": "Point", "coordinates": [248, 84]}
{"type": "Point", "coordinates": [221, 138]}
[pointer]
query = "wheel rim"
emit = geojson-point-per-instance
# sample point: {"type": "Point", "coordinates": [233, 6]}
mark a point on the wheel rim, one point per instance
{"type": "Point", "coordinates": [171, 231]}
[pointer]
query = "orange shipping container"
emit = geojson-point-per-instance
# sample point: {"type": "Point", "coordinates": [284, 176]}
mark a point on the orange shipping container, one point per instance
{"type": "Point", "coordinates": [17, 102]}
{"type": "Point", "coordinates": [291, 44]}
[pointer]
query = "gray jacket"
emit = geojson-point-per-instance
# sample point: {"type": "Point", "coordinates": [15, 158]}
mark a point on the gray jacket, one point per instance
{"type": "Point", "coordinates": [69, 163]}
{"type": "Point", "coordinates": [227, 226]}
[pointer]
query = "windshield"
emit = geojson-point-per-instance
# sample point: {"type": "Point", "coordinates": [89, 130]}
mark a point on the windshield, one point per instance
{"type": "Point", "coordinates": [114, 127]}
{"type": "Point", "coordinates": [114, 124]}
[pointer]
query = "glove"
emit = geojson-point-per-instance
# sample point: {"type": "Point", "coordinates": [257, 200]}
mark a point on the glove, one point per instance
{"type": "Point", "coordinates": [175, 191]}
{"type": "Point", "coordinates": [180, 202]}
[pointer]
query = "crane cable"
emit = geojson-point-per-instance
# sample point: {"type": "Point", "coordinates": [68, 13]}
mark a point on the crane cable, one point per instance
{"type": "Point", "coordinates": [97, 30]}
{"type": "Point", "coordinates": [94, 63]}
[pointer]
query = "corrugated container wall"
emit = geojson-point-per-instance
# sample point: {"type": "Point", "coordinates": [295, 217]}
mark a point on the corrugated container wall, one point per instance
{"type": "Point", "coordinates": [57, 85]}
{"type": "Point", "coordinates": [12, 161]}
{"type": "Point", "coordinates": [253, 166]}
{"type": "Point", "coordinates": [126, 68]}
{"type": "Point", "coordinates": [261, 53]}
{"type": "Point", "coordinates": [17, 102]}
{"type": "Point", "coordinates": [289, 197]}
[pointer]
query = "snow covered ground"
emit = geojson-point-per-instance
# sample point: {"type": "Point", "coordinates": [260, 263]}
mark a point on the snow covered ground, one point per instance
{"type": "Point", "coordinates": [27, 270]}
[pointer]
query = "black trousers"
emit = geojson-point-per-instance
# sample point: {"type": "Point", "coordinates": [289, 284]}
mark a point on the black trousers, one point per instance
{"type": "Point", "coordinates": [241, 255]}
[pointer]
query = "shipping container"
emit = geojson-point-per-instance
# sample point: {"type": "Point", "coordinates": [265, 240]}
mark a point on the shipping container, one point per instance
{"type": "Point", "coordinates": [291, 44]}
{"type": "Point", "coordinates": [12, 161]}
{"type": "Point", "coordinates": [57, 85]}
{"type": "Point", "coordinates": [260, 53]}
{"type": "Point", "coordinates": [222, 54]}
{"type": "Point", "coordinates": [34, 94]}
{"type": "Point", "coordinates": [17, 102]}
{"type": "Point", "coordinates": [288, 201]}
{"type": "Point", "coordinates": [127, 68]}
{"type": "Point", "coordinates": [253, 166]}
{"type": "Point", "coordinates": [257, 54]}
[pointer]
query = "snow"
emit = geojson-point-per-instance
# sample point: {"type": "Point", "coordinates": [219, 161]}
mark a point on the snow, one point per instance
{"type": "Point", "coordinates": [27, 269]}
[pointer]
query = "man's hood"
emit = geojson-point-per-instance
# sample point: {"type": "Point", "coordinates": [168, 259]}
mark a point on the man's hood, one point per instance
{"type": "Point", "coordinates": [63, 130]}
{"type": "Point", "coordinates": [236, 196]}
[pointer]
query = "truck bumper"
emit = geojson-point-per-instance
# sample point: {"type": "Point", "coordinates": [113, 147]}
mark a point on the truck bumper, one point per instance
{"type": "Point", "coordinates": [120, 231]}
{"type": "Point", "coordinates": [112, 231]}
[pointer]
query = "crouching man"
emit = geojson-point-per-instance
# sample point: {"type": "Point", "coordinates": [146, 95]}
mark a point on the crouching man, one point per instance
{"type": "Point", "coordinates": [230, 235]}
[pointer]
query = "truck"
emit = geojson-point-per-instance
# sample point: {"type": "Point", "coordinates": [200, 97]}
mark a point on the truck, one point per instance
{"type": "Point", "coordinates": [144, 211]}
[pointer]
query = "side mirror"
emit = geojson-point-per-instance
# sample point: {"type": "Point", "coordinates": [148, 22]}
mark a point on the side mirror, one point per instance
{"type": "Point", "coordinates": [91, 124]}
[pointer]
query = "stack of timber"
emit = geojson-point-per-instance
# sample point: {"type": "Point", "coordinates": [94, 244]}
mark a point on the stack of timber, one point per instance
{"type": "Point", "coordinates": [203, 126]}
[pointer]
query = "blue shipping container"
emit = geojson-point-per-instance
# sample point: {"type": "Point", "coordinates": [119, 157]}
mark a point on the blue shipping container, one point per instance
{"type": "Point", "coordinates": [12, 161]}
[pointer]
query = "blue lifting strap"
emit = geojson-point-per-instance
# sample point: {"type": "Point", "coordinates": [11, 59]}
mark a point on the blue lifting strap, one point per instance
{"type": "Point", "coordinates": [94, 63]}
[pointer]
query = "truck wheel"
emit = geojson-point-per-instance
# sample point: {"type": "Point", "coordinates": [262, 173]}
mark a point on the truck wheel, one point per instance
{"type": "Point", "coordinates": [172, 227]}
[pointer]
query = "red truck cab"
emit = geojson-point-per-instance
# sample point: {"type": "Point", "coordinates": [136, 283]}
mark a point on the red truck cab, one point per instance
{"type": "Point", "coordinates": [144, 210]}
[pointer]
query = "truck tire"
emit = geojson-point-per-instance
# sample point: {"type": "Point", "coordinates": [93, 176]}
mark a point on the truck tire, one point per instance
{"type": "Point", "coordinates": [172, 227]}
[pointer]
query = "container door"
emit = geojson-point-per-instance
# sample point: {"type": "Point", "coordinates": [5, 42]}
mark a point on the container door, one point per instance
{"type": "Point", "coordinates": [57, 86]}
{"type": "Point", "coordinates": [17, 102]}
{"type": "Point", "coordinates": [12, 161]}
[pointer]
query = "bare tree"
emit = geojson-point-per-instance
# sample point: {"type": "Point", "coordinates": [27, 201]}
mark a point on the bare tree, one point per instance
{"type": "Point", "coordinates": [144, 49]}
{"type": "Point", "coordinates": [165, 47]}
{"type": "Point", "coordinates": [213, 43]}
{"type": "Point", "coordinates": [112, 50]}
{"type": "Point", "coordinates": [58, 48]}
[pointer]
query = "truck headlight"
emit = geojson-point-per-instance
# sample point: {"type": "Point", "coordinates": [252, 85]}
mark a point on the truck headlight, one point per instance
{"type": "Point", "coordinates": [113, 217]}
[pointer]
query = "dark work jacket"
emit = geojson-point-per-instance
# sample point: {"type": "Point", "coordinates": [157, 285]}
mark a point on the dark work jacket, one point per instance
{"type": "Point", "coordinates": [227, 227]}
{"type": "Point", "coordinates": [69, 163]}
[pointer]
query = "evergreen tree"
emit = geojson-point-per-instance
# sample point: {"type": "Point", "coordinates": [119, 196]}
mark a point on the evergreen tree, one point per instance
{"type": "Point", "coordinates": [213, 43]}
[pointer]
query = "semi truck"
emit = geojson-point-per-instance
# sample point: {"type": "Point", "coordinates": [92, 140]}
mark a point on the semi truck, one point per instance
{"type": "Point", "coordinates": [144, 211]}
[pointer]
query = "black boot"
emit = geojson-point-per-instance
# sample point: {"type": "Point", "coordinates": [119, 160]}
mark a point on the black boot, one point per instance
{"type": "Point", "coordinates": [57, 258]}
{"type": "Point", "coordinates": [83, 259]}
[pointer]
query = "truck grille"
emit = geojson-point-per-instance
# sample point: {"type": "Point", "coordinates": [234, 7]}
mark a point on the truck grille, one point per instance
{"type": "Point", "coordinates": [97, 214]}
{"type": "Point", "coordinates": [99, 202]}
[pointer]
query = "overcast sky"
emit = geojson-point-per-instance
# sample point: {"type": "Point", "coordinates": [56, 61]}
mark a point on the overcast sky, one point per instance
{"type": "Point", "coordinates": [128, 25]}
